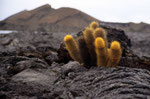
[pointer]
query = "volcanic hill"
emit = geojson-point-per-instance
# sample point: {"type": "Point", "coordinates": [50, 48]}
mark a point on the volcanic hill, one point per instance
{"type": "Point", "coordinates": [46, 18]}
{"type": "Point", "coordinates": [49, 19]}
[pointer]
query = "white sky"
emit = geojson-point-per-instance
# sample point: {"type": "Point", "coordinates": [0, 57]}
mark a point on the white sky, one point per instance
{"type": "Point", "coordinates": [105, 10]}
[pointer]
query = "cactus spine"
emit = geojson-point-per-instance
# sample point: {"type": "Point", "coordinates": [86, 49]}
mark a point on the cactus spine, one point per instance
{"type": "Point", "coordinates": [72, 48]}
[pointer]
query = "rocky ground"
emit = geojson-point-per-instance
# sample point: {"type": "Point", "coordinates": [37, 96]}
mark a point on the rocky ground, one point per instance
{"type": "Point", "coordinates": [35, 65]}
{"type": "Point", "coordinates": [140, 43]}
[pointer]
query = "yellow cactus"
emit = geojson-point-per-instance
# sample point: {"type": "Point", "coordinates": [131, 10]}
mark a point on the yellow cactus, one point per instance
{"type": "Point", "coordinates": [101, 51]}
{"type": "Point", "coordinates": [89, 39]}
{"type": "Point", "coordinates": [115, 54]}
{"type": "Point", "coordinates": [84, 53]}
{"type": "Point", "coordinates": [94, 25]}
{"type": "Point", "coordinates": [92, 48]}
{"type": "Point", "coordinates": [72, 48]}
{"type": "Point", "coordinates": [100, 32]}
{"type": "Point", "coordinates": [88, 36]}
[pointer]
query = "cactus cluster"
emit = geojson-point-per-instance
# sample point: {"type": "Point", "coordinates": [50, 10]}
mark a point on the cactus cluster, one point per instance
{"type": "Point", "coordinates": [92, 48]}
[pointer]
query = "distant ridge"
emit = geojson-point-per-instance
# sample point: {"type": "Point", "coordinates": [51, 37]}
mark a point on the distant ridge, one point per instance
{"type": "Point", "coordinates": [49, 19]}
{"type": "Point", "coordinates": [46, 18]}
{"type": "Point", "coordinates": [130, 27]}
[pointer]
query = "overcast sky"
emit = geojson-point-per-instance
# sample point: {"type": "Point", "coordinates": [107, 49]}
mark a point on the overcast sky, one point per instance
{"type": "Point", "coordinates": [105, 10]}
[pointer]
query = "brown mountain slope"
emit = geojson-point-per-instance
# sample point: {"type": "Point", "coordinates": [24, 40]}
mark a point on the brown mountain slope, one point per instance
{"type": "Point", "coordinates": [47, 18]}
{"type": "Point", "coordinates": [63, 19]}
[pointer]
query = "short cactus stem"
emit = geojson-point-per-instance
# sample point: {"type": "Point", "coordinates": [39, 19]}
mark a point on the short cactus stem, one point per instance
{"type": "Point", "coordinates": [100, 32]}
{"type": "Point", "coordinates": [94, 25]}
{"type": "Point", "coordinates": [101, 51]}
{"type": "Point", "coordinates": [89, 39]}
{"type": "Point", "coordinates": [72, 48]}
{"type": "Point", "coordinates": [115, 54]}
{"type": "Point", "coordinates": [84, 52]}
